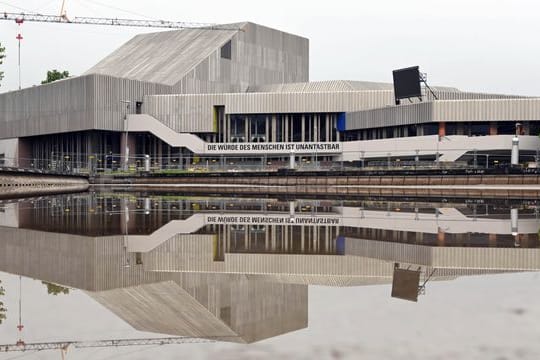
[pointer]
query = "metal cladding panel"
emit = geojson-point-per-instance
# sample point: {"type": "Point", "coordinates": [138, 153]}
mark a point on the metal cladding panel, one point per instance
{"type": "Point", "coordinates": [75, 104]}
{"type": "Point", "coordinates": [58, 258]}
{"type": "Point", "coordinates": [260, 55]}
{"type": "Point", "coordinates": [390, 116]}
{"type": "Point", "coordinates": [65, 105]}
{"type": "Point", "coordinates": [162, 57]}
{"type": "Point", "coordinates": [164, 308]}
{"type": "Point", "coordinates": [456, 260]}
{"type": "Point", "coordinates": [193, 113]}
{"type": "Point", "coordinates": [330, 280]}
{"type": "Point", "coordinates": [190, 60]}
{"type": "Point", "coordinates": [110, 91]}
{"type": "Point", "coordinates": [70, 260]}
{"type": "Point", "coordinates": [517, 109]}
{"type": "Point", "coordinates": [184, 252]}
{"type": "Point", "coordinates": [321, 265]}
{"type": "Point", "coordinates": [488, 258]}
{"type": "Point", "coordinates": [321, 86]}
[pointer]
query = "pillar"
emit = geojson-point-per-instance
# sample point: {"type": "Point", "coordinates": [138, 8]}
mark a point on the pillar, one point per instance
{"type": "Point", "coordinates": [246, 129]}
{"type": "Point", "coordinates": [274, 133]}
{"type": "Point", "coordinates": [326, 129]}
{"type": "Point", "coordinates": [267, 128]}
{"type": "Point", "coordinates": [493, 128]}
{"type": "Point", "coordinates": [303, 128]}
{"type": "Point", "coordinates": [442, 129]}
{"type": "Point", "coordinates": [286, 128]}
{"type": "Point", "coordinates": [441, 237]}
{"type": "Point", "coordinates": [492, 239]}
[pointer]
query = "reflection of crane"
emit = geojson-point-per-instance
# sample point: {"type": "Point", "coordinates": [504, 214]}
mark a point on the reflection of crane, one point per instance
{"type": "Point", "coordinates": [64, 345]}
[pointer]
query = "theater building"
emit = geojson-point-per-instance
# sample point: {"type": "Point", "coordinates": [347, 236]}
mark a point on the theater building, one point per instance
{"type": "Point", "coordinates": [199, 98]}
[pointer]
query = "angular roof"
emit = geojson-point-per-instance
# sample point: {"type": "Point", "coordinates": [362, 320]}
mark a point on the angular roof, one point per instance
{"type": "Point", "coordinates": [322, 86]}
{"type": "Point", "coordinates": [163, 57]}
{"type": "Point", "coordinates": [334, 86]}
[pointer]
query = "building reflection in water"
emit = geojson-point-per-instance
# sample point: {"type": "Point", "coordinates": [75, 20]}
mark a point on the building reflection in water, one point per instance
{"type": "Point", "coordinates": [239, 269]}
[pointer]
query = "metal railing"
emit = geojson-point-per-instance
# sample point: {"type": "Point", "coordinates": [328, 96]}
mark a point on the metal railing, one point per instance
{"type": "Point", "coordinates": [114, 165]}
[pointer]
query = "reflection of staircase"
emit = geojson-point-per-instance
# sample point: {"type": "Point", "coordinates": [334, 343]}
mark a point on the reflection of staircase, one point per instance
{"type": "Point", "coordinates": [145, 243]}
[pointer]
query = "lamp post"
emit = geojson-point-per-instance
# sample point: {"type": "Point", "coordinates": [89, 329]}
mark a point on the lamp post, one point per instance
{"type": "Point", "coordinates": [514, 157]}
{"type": "Point", "coordinates": [126, 128]}
{"type": "Point", "coordinates": [437, 154]}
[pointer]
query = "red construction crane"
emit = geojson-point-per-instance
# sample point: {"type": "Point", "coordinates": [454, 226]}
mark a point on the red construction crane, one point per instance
{"type": "Point", "coordinates": [62, 18]}
{"type": "Point", "coordinates": [19, 18]}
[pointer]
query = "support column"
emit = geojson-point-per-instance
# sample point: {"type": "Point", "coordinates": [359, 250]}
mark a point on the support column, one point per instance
{"type": "Point", "coordinates": [292, 127]}
{"type": "Point", "coordinates": [442, 129]}
{"type": "Point", "coordinates": [492, 238]}
{"type": "Point", "coordinates": [316, 127]}
{"type": "Point", "coordinates": [246, 129]}
{"type": "Point", "coordinates": [493, 128]}
{"type": "Point", "coordinates": [326, 129]}
{"type": "Point", "coordinates": [267, 128]}
{"type": "Point", "coordinates": [441, 237]}
{"type": "Point", "coordinates": [526, 128]}
{"type": "Point", "coordinates": [228, 132]}
{"type": "Point", "coordinates": [303, 128]}
{"type": "Point", "coordinates": [273, 133]}
{"type": "Point", "coordinates": [338, 134]}
{"type": "Point", "coordinates": [286, 126]}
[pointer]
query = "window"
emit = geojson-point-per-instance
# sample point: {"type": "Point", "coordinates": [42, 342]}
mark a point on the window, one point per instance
{"type": "Point", "coordinates": [226, 50]}
{"type": "Point", "coordinates": [431, 129]}
{"type": "Point", "coordinates": [506, 128]}
{"type": "Point", "coordinates": [534, 128]}
{"type": "Point", "coordinates": [451, 128]}
{"type": "Point", "coordinates": [479, 129]}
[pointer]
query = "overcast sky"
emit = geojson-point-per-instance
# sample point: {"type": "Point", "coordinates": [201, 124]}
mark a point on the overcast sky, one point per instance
{"type": "Point", "coordinates": [481, 45]}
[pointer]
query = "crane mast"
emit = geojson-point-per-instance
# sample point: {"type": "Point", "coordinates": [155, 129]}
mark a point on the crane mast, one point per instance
{"type": "Point", "coordinates": [19, 18]}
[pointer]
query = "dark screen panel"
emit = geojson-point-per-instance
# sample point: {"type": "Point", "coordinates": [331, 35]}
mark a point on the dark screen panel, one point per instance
{"type": "Point", "coordinates": [405, 284]}
{"type": "Point", "coordinates": [407, 83]}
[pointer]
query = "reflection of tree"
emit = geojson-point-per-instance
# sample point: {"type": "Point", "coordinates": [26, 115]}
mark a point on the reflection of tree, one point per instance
{"type": "Point", "coordinates": [3, 309]}
{"type": "Point", "coordinates": [53, 289]}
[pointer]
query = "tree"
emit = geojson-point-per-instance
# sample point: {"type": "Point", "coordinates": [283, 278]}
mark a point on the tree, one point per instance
{"type": "Point", "coordinates": [2, 56]}
{"type": "Point", "coordinates": [3, 309]}
{"type": "Point", "coordinates": [54, 75]}
{"type": "Point", "coordinates": [53, 289]}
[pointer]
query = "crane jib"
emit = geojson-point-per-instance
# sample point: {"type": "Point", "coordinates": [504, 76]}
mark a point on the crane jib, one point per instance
{"type": "Point", "coordinates": [19, 18]}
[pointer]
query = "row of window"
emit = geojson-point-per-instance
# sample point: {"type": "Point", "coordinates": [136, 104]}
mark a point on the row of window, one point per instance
{"type": "Point", "coordinates": [450, 128]}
